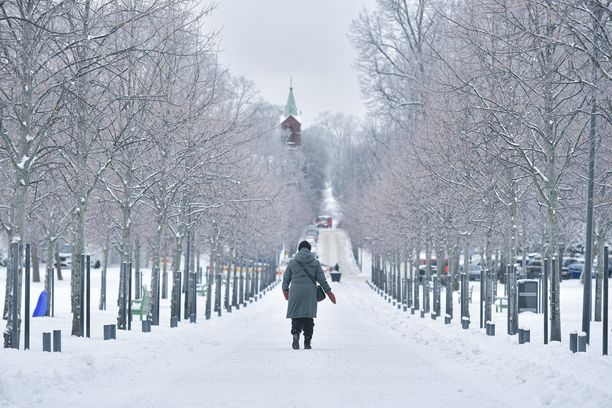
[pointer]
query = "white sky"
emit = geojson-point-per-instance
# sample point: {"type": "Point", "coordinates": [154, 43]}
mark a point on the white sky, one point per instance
{"type": "Point", "coordinates": [267, 41]}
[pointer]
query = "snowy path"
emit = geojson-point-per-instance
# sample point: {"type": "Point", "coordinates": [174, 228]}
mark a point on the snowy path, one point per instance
{"type": "Point", "coordinates": [365, 354]}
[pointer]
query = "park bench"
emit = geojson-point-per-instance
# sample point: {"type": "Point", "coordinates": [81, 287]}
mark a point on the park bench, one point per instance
{"type": "Point", "coordinates": [501, 303]}
{"type": "Point", "coordinates": [140, 307]}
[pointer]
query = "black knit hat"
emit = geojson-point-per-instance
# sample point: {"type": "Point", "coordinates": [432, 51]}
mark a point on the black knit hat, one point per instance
{"type": "Point", "coordinates": [304, 244]}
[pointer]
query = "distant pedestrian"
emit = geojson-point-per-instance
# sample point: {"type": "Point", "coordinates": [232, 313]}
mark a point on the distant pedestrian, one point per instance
{"type": "Point", "coordinates": [300, 289]}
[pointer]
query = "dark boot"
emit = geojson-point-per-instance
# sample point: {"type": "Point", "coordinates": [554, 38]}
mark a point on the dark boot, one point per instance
{"type": "Point", "coordinates": [307, 343]}
{"type": "Point", "coordinates": [296, 341]}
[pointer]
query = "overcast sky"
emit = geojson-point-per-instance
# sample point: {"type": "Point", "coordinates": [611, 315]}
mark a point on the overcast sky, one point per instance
{"type": "Point", "coordinates": [268, 41]}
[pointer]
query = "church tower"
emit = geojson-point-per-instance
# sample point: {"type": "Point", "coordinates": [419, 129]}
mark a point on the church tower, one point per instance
{"type": "Point", "coordinates": [291, 120]}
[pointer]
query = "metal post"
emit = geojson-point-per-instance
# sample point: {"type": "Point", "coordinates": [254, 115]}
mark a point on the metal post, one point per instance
{"type": "Point", "coordinates": [545, 298]}
{"type": "Point", "coordinates": [26, 336]}
{"type": "Point", "coordinates": [227, 304]}
{"type": "Point", "coordinates": [235, 288]}
{"type": "Point", "coordinates": [129, 301]}
{"type": "Point", "coordinates": [482, 294]}
{"type": "Point", "coordinates": [582, 342]}
{"type": "Point", "coordinates": [82, 298]}
{"type": "Point", "coordinates": [159, 284]}
{"type": "Point", "coordinates": [208, 295]}
{"type": "Point", "coordinates": [164, 282]}
{"type": "Point", "coordinates": [241, 287]}
{"type": "Point", "coordinates": [52, 292]}
{"type": "Point", "coordinates": [509, 322]}
{"type": "Point", "coordinates": [605, 302]}
{"type": "Point", "coordinates": [16, 290]}
{"type": "Point", "coordinates": [57, 341]}
{"type": "Point", "coordinates": [574, 341]}
{"type": "Point", "coordinates": [179, 278]}
{"type": "Point", "coordinates": [436, 293]}
{"type": "Point", "coordinates": [48, 279]}
{"type": "Point", "coordinates": [88, 308]}
{"type": "Point", "coordinates": [416, 294]}
{"type": "Point", "coordinates": [194, 298]}
{"type": "Point", "coordinates": [247, 285]}
{"type": "Point", "coordinates": [123, 306]}
{"type": "Point", "coordinates": [218, 294]}
{"type": "Point", "coordinates": [187, 305]}
{"type": "Point", "coordinates": [107, 332]}
{"type": "Point", "coordinates": [47, 341]}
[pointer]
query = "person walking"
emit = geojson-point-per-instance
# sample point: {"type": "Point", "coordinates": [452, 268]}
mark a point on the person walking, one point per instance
{"type": "Point", "coordinates": [300, 290]}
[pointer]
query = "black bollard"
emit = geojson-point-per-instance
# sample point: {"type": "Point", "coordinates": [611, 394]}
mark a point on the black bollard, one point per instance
{"type": "Point", "coordinates": [57, 341]}
{"type": "Point", "coordinates": [88, 294]}
{"type": "Point", "coordinates": [465, 323]}
{"type": "Point", "coordinates": [174, 321]}
{"type": "Point", "coordinates": [582, 341]}
{"type": "Point", "coordinates": [16, 290]}
{"type": "Point", "coordinates": [447, 319]}
{"type": "Point", "coordinates": [82, 298]}
{"type": "Point", "coordinates": [113, 331]}
{"type": "Point", "coordinates": [604, 326]}
{"type": "Point", "coordinates": [26, 335]}
{"type": "Point", "coordinates": [433, 316]}
{"type": "Point", "coordinates": [422, 314]}
{"type": "Point", "coordinates": [412, 310]}
{"type": "Point", "coordinates": [47, 341]}
{"type": "Point", "coordinates": [573, 343]}
{"type": "Point", "coordinates": [107, 332]}
{"type": "Point", "coordinates": [490, 328]}
{"type": "Point", "coordinates": [526, 336]}
{"type": "Point", "coordinates": [192, 318]}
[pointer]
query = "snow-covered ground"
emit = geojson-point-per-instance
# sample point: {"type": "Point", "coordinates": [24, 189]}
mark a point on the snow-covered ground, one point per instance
{"type": "Point", "coordinates": [366, 353]}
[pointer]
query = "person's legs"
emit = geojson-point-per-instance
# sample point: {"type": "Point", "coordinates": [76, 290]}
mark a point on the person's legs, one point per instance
{"type": "Point", "coordinates": [308, 331]}
{"type": "Point", "coordinates": [297, 325]}
{"type": "Point", "coordinates": [296, 328]}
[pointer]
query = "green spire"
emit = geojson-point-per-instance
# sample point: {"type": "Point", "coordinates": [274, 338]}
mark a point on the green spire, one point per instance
{"type": "Point", "coordinates": [291, 107]}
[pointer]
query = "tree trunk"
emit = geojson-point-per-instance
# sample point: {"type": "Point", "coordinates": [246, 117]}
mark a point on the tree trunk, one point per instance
{"type": "Point", "coordinates": [77, 251]}
{"type": "Point", "coordinates": [35, 262]}
{"type": "Point", "coordinates": [426, 302]}
{"type": "Point", "coordinates": [599, 244]}
{"type": "Point", "coordinates": [466, 269]}
{"type": "Point", "coordinates": [156, 265]}
{"type": "Point", "coordinates": [125, 258]}
{"type": "Point", "coordinates": [105, 251]}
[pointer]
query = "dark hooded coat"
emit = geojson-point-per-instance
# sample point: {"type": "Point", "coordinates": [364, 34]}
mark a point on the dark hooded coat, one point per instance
{"type": "Point", "coordinates": [302, 291]}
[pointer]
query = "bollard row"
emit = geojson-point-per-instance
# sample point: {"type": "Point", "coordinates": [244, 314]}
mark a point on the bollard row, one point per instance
{"type": "Point", "coordinates": [57, 341]}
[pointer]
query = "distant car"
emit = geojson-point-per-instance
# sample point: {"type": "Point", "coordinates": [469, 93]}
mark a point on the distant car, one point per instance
{"type": "Point", "coordinates": [474, 272]}
{"type": "Point", "coordinates": [575, 269]}
{"type": "Point", "coordinates": [534, 268]}
{"type": "Point", "coordinates": [324, 221]}
{"type": "Point", "coordinates": [565, 273]}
